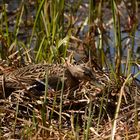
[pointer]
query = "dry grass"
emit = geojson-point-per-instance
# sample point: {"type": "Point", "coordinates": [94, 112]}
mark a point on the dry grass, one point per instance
{"type": "Point", "coordinates": [86, 112]}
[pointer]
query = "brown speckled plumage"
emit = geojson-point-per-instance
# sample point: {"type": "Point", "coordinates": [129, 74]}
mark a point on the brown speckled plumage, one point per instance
{"type": "Point", "coordinates": [32, 74]}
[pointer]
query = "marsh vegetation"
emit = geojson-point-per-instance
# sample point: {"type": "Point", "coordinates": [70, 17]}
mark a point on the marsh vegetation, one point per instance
{"type": "Point", "coordinates": [69, 69]}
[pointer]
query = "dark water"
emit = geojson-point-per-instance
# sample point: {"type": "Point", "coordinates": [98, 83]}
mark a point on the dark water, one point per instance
{"type": "Point", "coordinates": [136, 55]}
{"type": "Point", "coordinates": [12, 4]}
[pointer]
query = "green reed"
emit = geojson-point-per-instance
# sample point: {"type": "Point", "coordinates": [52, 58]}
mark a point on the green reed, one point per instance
{"type": "Point", "coordinates": [51, 40]}
{"type": "Point", "coordinates": [4, 37]}
{"type": "Point", "coordinates": [89, 120]}
{"type": "Point", "coordinates": [6, 23]}
{"type": "Point", "coordinates": [117, 37]}
{"type": "Point", "coordinates": [49, 26]}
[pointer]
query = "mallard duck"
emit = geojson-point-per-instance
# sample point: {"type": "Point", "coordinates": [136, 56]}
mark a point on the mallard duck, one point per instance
{"type": "Point", "coordinates": [34, 75]}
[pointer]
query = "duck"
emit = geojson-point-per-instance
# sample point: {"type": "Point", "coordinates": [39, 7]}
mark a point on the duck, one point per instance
{"type": "Point", "coordinates": [35, 75]}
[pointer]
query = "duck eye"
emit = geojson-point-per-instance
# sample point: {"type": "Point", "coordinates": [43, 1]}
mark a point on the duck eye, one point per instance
{"type": "Point", "coordinates": [87, 72]}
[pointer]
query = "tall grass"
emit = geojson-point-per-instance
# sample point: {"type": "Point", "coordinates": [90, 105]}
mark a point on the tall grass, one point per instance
{"type": "Point", "coordinates": [52, 35]}
{"type": "Point", "coordinates": [49, 31]}
{"type": "Point", "coordinates": [117, 37]}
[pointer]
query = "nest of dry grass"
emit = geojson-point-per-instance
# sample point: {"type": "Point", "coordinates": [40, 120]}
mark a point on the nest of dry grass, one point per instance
{"type": "Point", "coordinates": [85, 112]}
